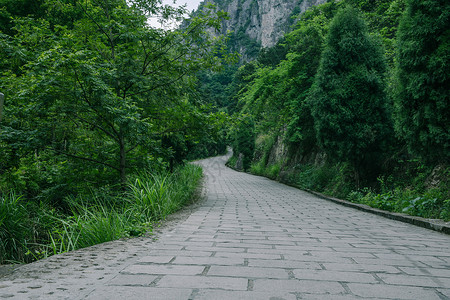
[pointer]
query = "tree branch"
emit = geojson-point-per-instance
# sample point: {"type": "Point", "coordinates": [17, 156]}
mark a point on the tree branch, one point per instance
{"type": "Point", "coordinates": [109, 38]}
{"type": "Point", "coordinates": [99, 127]}
{"type": "Point", "coordinates": [158, 85]}
{"type": "Point", "coordinates": [86, 99]}
{"type": "Point", "coordinates": [86, 159]}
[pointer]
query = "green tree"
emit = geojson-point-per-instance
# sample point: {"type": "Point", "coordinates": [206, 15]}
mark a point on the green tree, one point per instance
{"type": "Point", "coordinates": [422, 97]}
{"type": "Point", "coordinates": [382, 18]}
{"type": "Point", "coordinates": [213, 87]}
{"type": "Point", "coordinates": [348, 100]}
{"type": "Point", "coordinates": [272, 56]}
{"type": "Point", "coordinates": [275, 90]}
{"type": "Point", "coordinates": [306, 47]}
{"type": "Point", "coordinates": [101, 93]}
{"type": "Point", "coordinates": [244, 139]}
{"type": "Point", "coordinates": [239, 84]}
{"type": "Point", "coordinates": [10, 9]}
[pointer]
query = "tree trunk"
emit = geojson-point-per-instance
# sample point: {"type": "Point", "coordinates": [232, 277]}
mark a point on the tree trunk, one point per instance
{"type": "Point", "coordinates": [357, 178]}
{"type": "Point", "coordinates": [2, 97]}
{"type": "Point", "coordinates": [122, 162]}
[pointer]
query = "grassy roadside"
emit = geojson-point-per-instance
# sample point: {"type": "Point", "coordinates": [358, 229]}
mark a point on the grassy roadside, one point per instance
{"type": "Point", "coordinates": [422, 191]}
{"type": "Point", "coordinates": [29, 231]}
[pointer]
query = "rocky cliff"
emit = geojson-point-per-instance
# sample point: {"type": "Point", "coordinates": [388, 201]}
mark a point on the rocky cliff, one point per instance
{"type": "Point", "coordinates": [259, 23]}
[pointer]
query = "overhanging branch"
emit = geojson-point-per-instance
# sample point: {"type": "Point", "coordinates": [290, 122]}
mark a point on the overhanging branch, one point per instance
{"type": "Point", "coordinates": [87, 159]}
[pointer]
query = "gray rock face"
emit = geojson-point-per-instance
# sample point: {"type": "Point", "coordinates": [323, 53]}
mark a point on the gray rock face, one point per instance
{"type": "Point", "coordinates": [262, 21]}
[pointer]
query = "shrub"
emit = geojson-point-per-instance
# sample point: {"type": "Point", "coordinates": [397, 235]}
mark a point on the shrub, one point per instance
{"type": "Point", "coordinates": [158, 195]}
{"type": "Point", "coordinates": [432, 203]}
{"type": "Point", "coordinates": [257, 168]}
{"type": "Point", "coordinates": [244, 140]}
{"type": "Point", "coordinates": [29, 232]}
{"type": "Point", "coordinates": [15, 229]}
{"type": "Point", "coordinates": [272, 171]}
{"type": "Point", "coordinates": [94, 225]}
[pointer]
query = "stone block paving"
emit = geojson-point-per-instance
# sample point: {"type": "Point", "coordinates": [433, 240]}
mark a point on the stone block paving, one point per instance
{"type": "Point", "coordinates": [252, 238]}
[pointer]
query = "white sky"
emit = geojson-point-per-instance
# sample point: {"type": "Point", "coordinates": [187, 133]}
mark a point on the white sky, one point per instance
{"type": "Point", "coordinates": [190, 5]}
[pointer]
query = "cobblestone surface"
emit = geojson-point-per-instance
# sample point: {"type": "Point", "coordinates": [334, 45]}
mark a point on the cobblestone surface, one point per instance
{"type": "Point", "coordinates": [252, 238]}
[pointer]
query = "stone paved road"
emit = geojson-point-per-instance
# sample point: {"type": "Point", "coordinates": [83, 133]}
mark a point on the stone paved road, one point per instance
{"type": "Point", "coordinates": [252, 238]}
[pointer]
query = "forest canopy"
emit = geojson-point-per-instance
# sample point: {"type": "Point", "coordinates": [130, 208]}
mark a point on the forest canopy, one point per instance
{"type": "Point", "coordinates": [94, 92]}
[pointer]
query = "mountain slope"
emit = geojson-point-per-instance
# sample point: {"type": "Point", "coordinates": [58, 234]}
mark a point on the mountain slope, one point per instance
{"type": "Point", "coordinates": [258, 23]}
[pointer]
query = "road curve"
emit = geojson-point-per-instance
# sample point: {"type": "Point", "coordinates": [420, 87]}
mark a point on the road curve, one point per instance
{"type": "Point", "coordinates": [252, 238]}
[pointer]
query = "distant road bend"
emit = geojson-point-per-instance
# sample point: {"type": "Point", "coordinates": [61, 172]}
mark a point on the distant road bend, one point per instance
{"type": "Point", "coordinates": [252, 238]}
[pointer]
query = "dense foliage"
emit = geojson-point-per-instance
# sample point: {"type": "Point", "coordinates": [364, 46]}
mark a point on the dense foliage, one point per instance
{"type": "Point", "coordinates": [93, 96]}
{"type": "Point", "coordinates": [348, 101]}
{"type": "Point", "coordinates": [29, 231]}
{"type": "Point", "coordinates": [93, 92]}
{"type": "Point", "coordinates": [244, 139]}
{"type": "Point", "coordinates": [346, 106]}
{"type": "Point", "coordinates": [423, 78]}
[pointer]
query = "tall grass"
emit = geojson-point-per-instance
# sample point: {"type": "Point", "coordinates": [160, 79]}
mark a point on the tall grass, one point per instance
{"type": "Point", "coordinates": [27, 234]}
{"type": "Point", "coordinates": [15, 229]}
{"type": "Point", "coordinates": [157, 196]}
{"type": "Point", "coordinates": [150, 194]}
{"type": "Point", "coordinates": [92, 222]}
{"type": "Point", "coordinates": [271, 171]}
{"type": "Point", "coordinates": [151, 197]}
